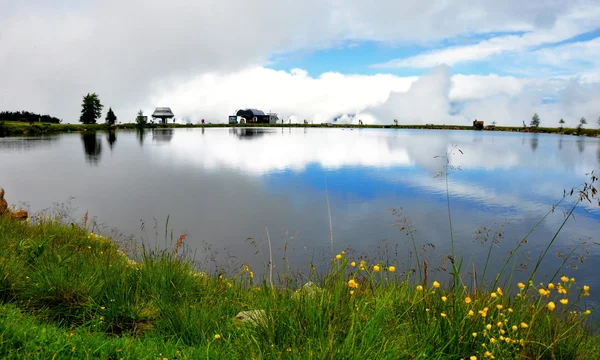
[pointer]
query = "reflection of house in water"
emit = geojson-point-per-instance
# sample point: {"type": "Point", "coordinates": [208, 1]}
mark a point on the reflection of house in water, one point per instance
{"type": "Point", "coordinates": [253, 116]}
{"type": "Point", "coordinates": [163, 113]}
{"type": "Point", "coordinates": [162, 135]}
{"type": "Point", "coordinates": [248, 133]}
{"type": "Point", "coordinates": [92, 146]}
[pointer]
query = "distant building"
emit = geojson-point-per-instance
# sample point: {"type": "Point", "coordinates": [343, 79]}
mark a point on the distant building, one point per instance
{"type": "Point", "coordinates": [253, 116]}
{"type": "Point", "coordinates": [163, 113]}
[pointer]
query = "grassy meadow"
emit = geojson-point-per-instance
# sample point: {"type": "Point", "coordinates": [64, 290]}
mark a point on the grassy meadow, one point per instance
{"type": "Point", "coordinates": [69, 293]}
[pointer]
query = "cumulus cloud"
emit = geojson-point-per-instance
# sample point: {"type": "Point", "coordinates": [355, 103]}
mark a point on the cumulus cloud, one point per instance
{"type": "Point", "coordinates": [207, 58]}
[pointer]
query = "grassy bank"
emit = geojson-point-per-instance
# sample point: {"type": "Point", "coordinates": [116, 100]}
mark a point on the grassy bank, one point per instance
{"type": "Point", "coordinates": [68, 293]}
{"type": "Point", "coordinates": [8, 128]}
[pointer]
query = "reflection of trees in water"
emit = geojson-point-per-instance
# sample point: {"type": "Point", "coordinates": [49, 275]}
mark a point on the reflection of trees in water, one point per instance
{"type": "Point", "coordinates": [580, 144]}
{"type": "Point", "coordinates": [27, 143]}
{"type": "Point", "coordinates": [92, 145]}
{"type": "Point", "coordinates": [560, 140]}
{"type": "Point", "coordinates": [140, 136]}
{"type": "Point", "coordinates": [534, 142]}
{"type": "Point", "coordinates": [112, 138]}
{"type": "Point", "coordinates": [162, 135]}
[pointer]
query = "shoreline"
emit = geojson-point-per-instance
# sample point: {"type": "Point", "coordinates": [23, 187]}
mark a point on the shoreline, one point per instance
{"type": "Point", "coordinates": [18, 129]}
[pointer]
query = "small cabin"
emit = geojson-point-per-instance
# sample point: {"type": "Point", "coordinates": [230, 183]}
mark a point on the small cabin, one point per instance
{"type": "Point", "coordinates": [253, 116]}
{"type": "Point", "coordinates": [477, 124]}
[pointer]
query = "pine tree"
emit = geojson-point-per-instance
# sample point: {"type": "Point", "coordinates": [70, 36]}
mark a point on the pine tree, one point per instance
{"type": "Point", "coordinates": [91, 109]}
{"type": "Point", "coordinates": [111, 118]}
{"type": "Point", "coordinates": [561, 122]}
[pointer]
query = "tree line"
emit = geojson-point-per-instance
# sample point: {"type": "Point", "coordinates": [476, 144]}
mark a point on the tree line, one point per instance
{"type": "Point", "coordinates": [535, 122]}
{"type": "Point", "coordinates": [26, 116]}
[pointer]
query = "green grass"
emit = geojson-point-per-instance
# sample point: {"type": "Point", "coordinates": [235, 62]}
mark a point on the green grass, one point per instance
{"type": "Point", "coordinates": [19, 128]}
{"type": "Point", "coordinates": [69, 293]}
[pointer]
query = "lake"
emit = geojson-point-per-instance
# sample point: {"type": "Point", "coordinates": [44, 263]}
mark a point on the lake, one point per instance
{"type": "Point", "coordinates": [222, 186]}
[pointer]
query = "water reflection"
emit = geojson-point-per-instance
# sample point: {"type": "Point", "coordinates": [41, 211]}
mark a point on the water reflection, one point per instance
{"type": "Point", "coordinates": [534, 141]}
{"type": "Point", "coordinates": [249, 133]}
{"type": "Point", "coordinates": [278, 180]}
{"type": "Point", "coordinates": [162, 135]}
{"type": "Point", "coordinates": [580, 144]}
{"type": "Point", "coordinates": [560, 143]}
{"type": "Point", "coordinates": [92, 145]}
{"type": "Point", "coordinates": [140, 134]}
{"type": "Point", "coordinates": [111, 137]}
{"type": "Point", "coordinates": [27, 143]}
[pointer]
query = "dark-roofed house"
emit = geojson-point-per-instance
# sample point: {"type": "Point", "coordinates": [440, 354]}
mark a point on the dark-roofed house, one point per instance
{"type": "Point", "coordinates": [163, 113]}
{"type": "Point", "coordinates": [254, 116]}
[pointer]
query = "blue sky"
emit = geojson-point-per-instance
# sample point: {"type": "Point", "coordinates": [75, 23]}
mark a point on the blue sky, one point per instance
{"type": "Point", "coordinates": [353, 57]}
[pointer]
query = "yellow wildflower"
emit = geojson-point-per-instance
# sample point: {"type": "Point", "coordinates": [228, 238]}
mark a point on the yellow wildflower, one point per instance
{"type": "Point", "coordinates": [28, 220]}
{"type": "Point", "coordinates": [499, 307]}
{"type": "Point", "coordinates": [551, 306]}
{"type": "Point", "coordinates": [353, 284]}
{"type": "Point", "coordinates": [250, 274]}
{"type": "Point", "coordinates": [217, 336]}
{"type": "Point", "coordinates": [436, 284]}
{"type": "Point", "coordinates": [521, 285]}
{"type": "Point", "coordinates": [551, 286]}
{"type": "Point", "coordinates": [474, 334]}
{"type": "Point", "coordinates": [471, 313]}
{"type": "Point", "coordinates": [468, 300]}
{"type": "Point", "coordinates": [564, 279]}
{"type": "Point", "coordinates": [572, 280]}
{"type": "Point", "coordinates": [493, 295]}
{"type": "Point", "coordinates": [351, 292]}
{"type": "Point", "coordinates": [444, 298]}
{"type": "Point", "coordinates": [587, 312]}
{"type": "Point", "coordinates": [492, 340]}
{"type": "Point", "coordinates": [524, 325]}
{"type": "Point", "coordinates": [376, 268]}
{"type": "Point", "coordinates": [419, 288]}
{"type": "Point", "coordinates": [487, 354]}
{"type": "Point", "coordinates": [443, 314]}
{"type": "Point", "coordinates": [488, 326]}
{"type": "Point", "coordinates": [500, 292]}
{"type": "Point", "coordinates": [473, 358]}
{"type": "Point", "coordinates": [338, 256]}
{"type": "Point", "coordinates": [392, 268]}
{"type": "Point", "coordinates": [353, 264]}
{"type": "Point", "coordinates": [586, 288]}
{"type": "Point", "coordinates": [499, 324]}
{"type": "Point", "coordinates": [515, 328]}
{"type": "Point", "coordinates": [564, 301]}
{"type": "Point", "coordinates": [510, 310]}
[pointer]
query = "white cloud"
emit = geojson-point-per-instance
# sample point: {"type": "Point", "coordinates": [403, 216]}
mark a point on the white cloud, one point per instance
{"type": "Point", "coordinates": [579, 20]}
{"type": "Point", "coordinates": [207, 58]}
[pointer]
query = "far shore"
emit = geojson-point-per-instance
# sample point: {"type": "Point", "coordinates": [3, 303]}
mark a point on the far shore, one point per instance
{"type": "Point", "coordinates": [11, 128]}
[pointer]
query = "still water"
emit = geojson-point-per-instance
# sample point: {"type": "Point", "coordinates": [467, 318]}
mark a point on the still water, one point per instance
{"type": "Point", "coordinates": [223, 186]}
